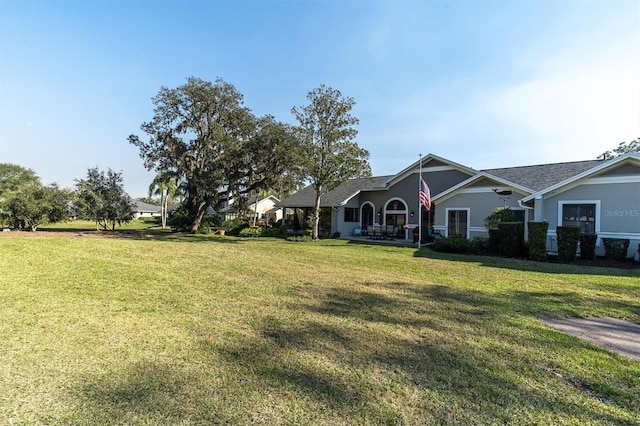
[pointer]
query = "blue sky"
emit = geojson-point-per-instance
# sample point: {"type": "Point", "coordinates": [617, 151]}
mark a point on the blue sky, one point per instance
{"type": "Point", "coordinates": [483, 83]}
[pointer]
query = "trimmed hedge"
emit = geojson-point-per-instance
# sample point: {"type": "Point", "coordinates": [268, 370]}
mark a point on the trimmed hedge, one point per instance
{"type": "Point", "coordinates": [568, 238]}
{"type": "Point", "coordinates": [588, 246]}
{"type": "Point", "coordinates": [510, 239]}
{"type": "Point", "coordinates": [615, 248]}
{"type": "Point", "coordinates": [454, 244]}
{"type": "Point", "coordinates": [492, 244]}
{"type": "Point", "coordinates": [538, 240]}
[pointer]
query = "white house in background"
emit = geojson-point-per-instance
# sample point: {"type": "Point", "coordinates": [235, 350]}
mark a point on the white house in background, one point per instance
{"type": "Point", "coordinates": [142, 209]}
{"type": "Point", "coordinates": [264, 207]}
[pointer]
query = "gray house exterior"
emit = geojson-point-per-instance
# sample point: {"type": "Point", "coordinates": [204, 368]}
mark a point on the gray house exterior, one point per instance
{"type": "Point", "coordinates": [600, 196]}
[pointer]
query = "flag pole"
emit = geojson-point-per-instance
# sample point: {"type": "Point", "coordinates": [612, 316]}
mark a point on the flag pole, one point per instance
{"type": "Point", "coordinates": [419, 203]}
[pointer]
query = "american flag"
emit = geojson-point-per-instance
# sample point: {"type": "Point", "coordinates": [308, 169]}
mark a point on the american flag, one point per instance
{"type": "Point", "coordinates": [425, 195]}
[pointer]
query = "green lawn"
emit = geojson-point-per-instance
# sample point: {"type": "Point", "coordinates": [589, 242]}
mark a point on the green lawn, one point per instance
{"type": "Point", "coordinates": [172, 329]}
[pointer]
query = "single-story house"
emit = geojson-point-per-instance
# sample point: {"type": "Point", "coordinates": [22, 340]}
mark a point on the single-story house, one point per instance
{"type": "Point", "coordinates": [264, 207]}
{"type": "Point", "coordinates": [601, 196]}
{"type": "Point", "coordinates": [142, 209]}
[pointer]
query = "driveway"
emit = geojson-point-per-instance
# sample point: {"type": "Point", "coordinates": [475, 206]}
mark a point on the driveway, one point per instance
{"type": "Point", "coordinates": [622, 337]}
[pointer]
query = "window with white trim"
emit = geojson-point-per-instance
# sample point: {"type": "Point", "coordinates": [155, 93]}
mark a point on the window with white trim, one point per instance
{"type": "Point", "coordinates": [581, 215]}
{"type": "Point", "coordinates": [457, 222]}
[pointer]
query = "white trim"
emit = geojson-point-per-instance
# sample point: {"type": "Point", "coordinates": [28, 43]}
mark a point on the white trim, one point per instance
{"type": "Point", "coordinates": [406, 209]}
{"type": "Point", "coordinates": [612, 179]}
{"type": "Point", "coordinates": [438, 169]}
{"type": "Point", "coordinates": [446, 219]}
{"type": "Point", "coordinates": [562, 203]}
{"type": "Point", "coordinates": [477, 229]}
{"type": "Point", "coordinates": [425, 161]}
{"type": "Point", "coordinates": [456, 189]}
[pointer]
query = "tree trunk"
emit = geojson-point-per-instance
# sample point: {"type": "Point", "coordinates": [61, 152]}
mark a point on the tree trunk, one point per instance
{"type": "Point", "coordinates": [316, 218]}
{"type": "Point", "coordinates": [163, 209]}
{"type": "Point", "coordinates": [199, 215]}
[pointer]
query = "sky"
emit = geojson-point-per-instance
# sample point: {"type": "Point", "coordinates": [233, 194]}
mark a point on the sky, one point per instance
{"type": "Point", "coordinates": [486, 84]}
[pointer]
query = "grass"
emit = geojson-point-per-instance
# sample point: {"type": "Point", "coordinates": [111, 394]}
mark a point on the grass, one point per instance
{"type": "Point", "coordinates": [218, 330]}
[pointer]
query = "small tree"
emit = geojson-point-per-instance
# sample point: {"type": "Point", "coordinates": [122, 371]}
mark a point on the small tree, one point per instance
{"type": "Point", "coordinates": [165, 185]}
{"type": "Point", "coordinates": [101, 197]}
{"type": "Point", "coordinates": [329, 156]}
{"type": "Point", "coordinates": [37, 205]}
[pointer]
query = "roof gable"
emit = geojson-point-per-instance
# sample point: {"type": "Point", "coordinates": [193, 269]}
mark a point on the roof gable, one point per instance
{"type": "Point", "coordinates": [601, 167]}
{"type": "Point", "coordinates": [480, 180]}
{"type": "Point", "coordinates": [430, 161]}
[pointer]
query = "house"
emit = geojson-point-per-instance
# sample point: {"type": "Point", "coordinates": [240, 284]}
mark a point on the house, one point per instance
{"type": "Point", "coordinates": [262, 207]}
{"type": "Point", "coordinates": [600, 196]}
{"type": "Point", "coordinates": [142, 209]}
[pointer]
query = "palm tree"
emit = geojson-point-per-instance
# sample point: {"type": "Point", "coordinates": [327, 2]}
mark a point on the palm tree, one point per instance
{"type": "Point", "coordinates": [165, 184]}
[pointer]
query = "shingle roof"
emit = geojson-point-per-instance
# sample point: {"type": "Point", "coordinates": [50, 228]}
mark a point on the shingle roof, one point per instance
{"type": "Point", "coordinates": [543, 175]}
{"type": "Point", "coordinates": [145, 207]}
{"type": "Point", "coordinates": [306, 196]}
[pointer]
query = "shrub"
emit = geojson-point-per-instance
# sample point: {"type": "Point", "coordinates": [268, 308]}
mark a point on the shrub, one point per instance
{"type": "Point", "coordinates": [454, 244]}
{"type": "Point", "coordinates": [480, 245]}
{"type": "Point", "coordinates": [274, 232]}
{"type": "Point", "coordinates": [615, 248]}
{"type": "Point", "coordinates": [568, 238]}
{"type": "Point", "coordinates": [588, 246]}
{"type": "Point", "coordinates": [180, 220]}
{"type": "Point", "coordinates": [499, 215]}
{"type": "Point", "coordinates": [538, 240]}
{"type": "Point", "coordinates": [250, 232]}
{"type": "Point", "coordinates": [492, 244]}
{"type": "Point", "coordinates": [234, 226]}
{"type": "Point", "coordinates": [299, 238]}
{"type": "Point", "coordinates": [510, 239]}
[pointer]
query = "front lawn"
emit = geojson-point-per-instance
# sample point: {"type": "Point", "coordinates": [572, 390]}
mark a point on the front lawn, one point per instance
{"type": "Point", "coordinates": [209, 330]}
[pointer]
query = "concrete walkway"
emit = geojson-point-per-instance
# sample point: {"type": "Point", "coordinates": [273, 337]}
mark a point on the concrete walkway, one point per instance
{"type": "Point", "coordinates": [622, 337]}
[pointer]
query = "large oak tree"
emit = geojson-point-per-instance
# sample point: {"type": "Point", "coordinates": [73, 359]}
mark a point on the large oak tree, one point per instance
{"type": "Point", "coordinates": [329, 154]}
{"type": "Point", "coordinates": [202, 133]}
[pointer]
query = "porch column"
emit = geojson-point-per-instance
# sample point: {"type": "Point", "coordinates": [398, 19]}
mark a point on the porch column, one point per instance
{"type": "Point", "coordinates": [538, 205]}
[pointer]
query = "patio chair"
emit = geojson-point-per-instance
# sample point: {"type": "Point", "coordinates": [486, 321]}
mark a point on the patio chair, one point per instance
{"type": "Point", "coordinates": [357, 231]}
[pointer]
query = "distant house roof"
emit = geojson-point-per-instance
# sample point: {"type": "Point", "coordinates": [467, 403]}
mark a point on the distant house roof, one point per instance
{"type": "Point", "coordinates": [338, 197]}
{"type": "Point", "coordinates": [142, 207]}
{"type": "Point", "coordinates": [543, 175]}
{"type": "Point", "coordinates": [231, 208]}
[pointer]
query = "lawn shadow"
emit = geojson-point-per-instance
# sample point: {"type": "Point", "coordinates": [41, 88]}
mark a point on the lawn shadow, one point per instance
{"type": "Point", "coordinates": [143, 393]}
{"type": "Point", "coordinates": [339, 356]}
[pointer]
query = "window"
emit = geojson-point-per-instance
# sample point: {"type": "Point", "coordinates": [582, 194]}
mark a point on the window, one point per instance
{"type": "Point", "coordinates": [396, 205]}
{"type": "Point", "coordinates": [580, 215]}
{"type": "Point", "coordinates": [457, 222]}
{"type": "Point", "coordinates": [351, 214]}
{"type": "Point", "coordinates": [367, 215]}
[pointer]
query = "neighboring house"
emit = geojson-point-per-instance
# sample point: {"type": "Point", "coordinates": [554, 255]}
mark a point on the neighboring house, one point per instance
{"type": "Point", "coordinates": [265, 209]}
{"type": "Point", "coordinates": [600, 196]}
{"type": "Point", "coordinates": [142, 209]}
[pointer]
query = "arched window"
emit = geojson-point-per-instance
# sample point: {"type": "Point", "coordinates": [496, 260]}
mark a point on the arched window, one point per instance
{"type": "Point", "coordinates": [368, 215]}
{"type": "Point", "coordinates": [395, 214]}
